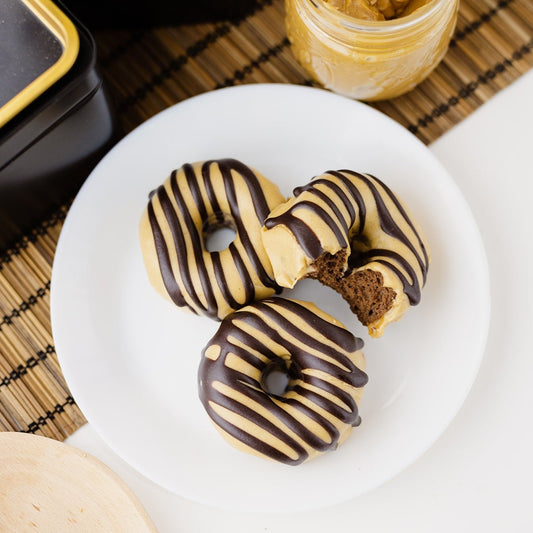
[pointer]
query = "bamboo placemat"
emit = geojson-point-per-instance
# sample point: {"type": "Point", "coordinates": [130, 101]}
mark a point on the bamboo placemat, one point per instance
{"type": "Point", "coordinates": [150, 70]}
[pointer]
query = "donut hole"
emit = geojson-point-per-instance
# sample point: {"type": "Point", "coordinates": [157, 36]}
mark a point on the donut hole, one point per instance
{"type": "Point", "coordinates": [275, 378]}
{"type": "Point", "coordinates": [219, 232]}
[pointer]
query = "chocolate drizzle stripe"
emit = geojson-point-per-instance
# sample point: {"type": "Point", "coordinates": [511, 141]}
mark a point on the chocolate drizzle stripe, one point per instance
{"type": "Point", "coordinates": [263, 356]}
{"type": "Point", "coordinates": [248, 342]}
{"type": "Point", "coordinates": [220, 276]}
{"type": "Point", "coordinates": [211, 196]}
{"type": "Point", "coordinates": [196, 243]}
{"type": "Point", "coordinates": [245, 276]}
{"type": "Point", "coordinates": [302, 232]}
{"type": "Point", "coordinates": [424, 263]}
{"type": "Point", "coordinates": [261, 211]}
{"type": "Point", "coordinates": [338, 219]}
{"type": "Point", "coordinates": [324, 403]}
{"type": "Point", "coordinates": [390, 227]}
{"type": "Point", "coordinates": [264, 329]}
{"type": "Point", "coordinates": [255, 443]}
{"type": "Point", "coordinates": [340, 336]}
{"type": "Point", "coordinates": [354, 204]}
{"type": "Point", "coordinates": [179, 248]}
{"type": "Point", "coordinates": [387, 222]}
{"type": "Point", "coordinates": [208, 185]}
{"type": "Point", "coordinates": [329, 395]}
{"type": "Point", "coordinates": [312, 247]}
{"type": "Point", "coordinates": [241, 409]}
{"type": "Point", "coordinates": [293, 346]}
{"type": "Point", "coordinates": [310, 437]}
{"type": "Point", "coordinates": [194, 188]}
{"type": "Point", "coordinates": [389, 257]}
{"type": "Point", "coordinates": [310, 244]}
{"type": "Point", "coordinates": [290, 424]}
{"type": "Point", "coordinates": [221, 279]}
{"type": "Point", "coordinates": [344, 340]}
{"type": "Point", "coordinates": [338, 192]}
{"type": "Point", "coordinates": [163, 257]}
{"type": "Point", "coordinates": [318, 382]}
{"type": "Point", "coordinates": [356, 198]}
{"type": "Point", "coordinates": [266, 326]}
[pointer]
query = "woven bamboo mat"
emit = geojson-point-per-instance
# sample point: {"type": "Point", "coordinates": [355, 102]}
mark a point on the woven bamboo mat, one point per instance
{"type": "Point", "coordinates": [150, 70]}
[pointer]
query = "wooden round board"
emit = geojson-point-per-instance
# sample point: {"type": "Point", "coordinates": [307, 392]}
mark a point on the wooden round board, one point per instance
{"type": "Point", "coordinates": [46, 485]}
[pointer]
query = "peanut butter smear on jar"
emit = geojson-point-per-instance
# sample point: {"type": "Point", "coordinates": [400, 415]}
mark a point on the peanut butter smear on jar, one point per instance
{"type": "Point", "coordinates": [370, 49]}
{"type": "Point", "coordinates": [376, 9]}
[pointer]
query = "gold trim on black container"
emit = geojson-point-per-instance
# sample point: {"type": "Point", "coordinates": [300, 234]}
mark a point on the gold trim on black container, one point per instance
{"type": "Point", "coordinates": [64, 31]}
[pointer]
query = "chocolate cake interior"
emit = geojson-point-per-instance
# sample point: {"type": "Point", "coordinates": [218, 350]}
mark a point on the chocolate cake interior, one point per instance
{"type": "Point", "coordinates": [363, 290]}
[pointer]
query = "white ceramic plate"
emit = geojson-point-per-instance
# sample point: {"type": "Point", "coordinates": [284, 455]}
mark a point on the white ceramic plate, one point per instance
{"type": "Point", "coordinates": [131, 358]}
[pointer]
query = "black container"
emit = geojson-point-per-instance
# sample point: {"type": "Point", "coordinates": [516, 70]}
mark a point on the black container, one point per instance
{"type": "Point", "coordinates": [58, 133]}
{"type": "Point", "coordinates": [110, 14]}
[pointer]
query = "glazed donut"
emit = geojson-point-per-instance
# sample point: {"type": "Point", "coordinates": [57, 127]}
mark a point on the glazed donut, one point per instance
{"type": "Point", "coordinates": [352, 233]}
{"type": "Point", "coordinates": [192, 203]}
{"type": "Point", "coordinates": [321, 362]}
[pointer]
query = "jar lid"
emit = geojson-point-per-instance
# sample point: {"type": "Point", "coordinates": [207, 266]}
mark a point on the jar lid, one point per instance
{"type": "Point", "coordinates": [39, 45]}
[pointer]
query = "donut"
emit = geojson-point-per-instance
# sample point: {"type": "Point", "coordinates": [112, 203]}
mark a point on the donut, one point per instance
{"type": "Point", "coordinates": [352, 233]}
{"type": "Point", "coordinates": [193, 202]}
{"type": "Point", "coordinates": [316, 407]}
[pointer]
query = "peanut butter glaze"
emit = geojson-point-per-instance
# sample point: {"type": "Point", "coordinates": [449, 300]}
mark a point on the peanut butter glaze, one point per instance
{"type": "Point", "coordinates": [322, 360]}
{"type": "Point", "coordinates": [355, 213]}
{"type": "Point", "coordinates": [193, 202]}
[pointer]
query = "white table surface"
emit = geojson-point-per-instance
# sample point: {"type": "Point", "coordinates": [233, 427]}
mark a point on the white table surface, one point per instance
{"type": "Point", "coordinates": [476, 477]}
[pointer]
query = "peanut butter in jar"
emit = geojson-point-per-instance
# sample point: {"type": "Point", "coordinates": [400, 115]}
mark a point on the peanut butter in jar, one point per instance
{"type": "Point", "coordinates": [370, 49]}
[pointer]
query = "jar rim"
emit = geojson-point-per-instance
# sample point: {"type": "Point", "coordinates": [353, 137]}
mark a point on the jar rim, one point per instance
{"type": "Point", "coordinates": [376, 26]}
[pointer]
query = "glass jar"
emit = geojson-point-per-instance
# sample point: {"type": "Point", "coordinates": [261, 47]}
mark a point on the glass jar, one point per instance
{"type": "Point", "coordinates": [369, 60]}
